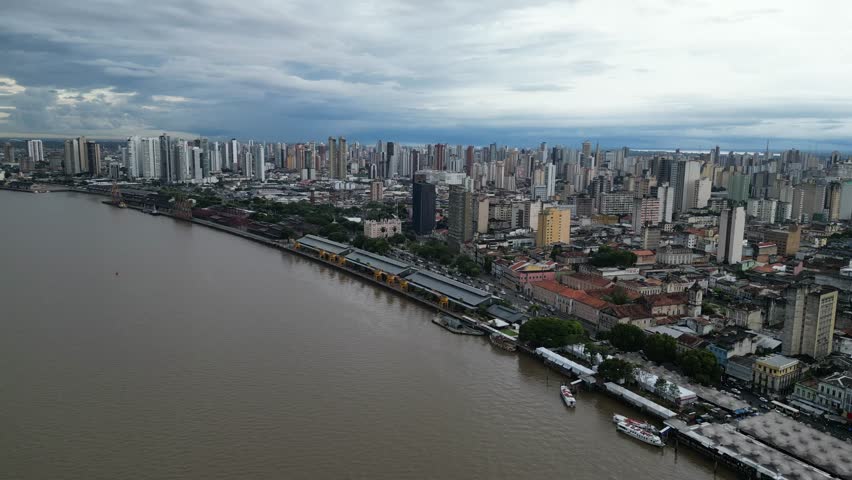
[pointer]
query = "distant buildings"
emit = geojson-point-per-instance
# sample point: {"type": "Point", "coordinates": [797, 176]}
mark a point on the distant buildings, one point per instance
{"type": "Point", "coordinates": [731, 234]}
{"type": "Point", "coordinates": [423, 208]}
{"type": "Point", "coordinates": [377, 190]}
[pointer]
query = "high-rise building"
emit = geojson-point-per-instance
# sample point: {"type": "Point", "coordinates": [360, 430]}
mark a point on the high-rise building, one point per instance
{"type": "Point", "coordinates": [423, 208]}
{"type": "Point", "coordinates": [685, 174]}
{"type": "Point", "coordinates": [461, 214]}
{"type": "Point", "coordinates": [651, 238]}
{"type": "Point", "coordinates": [468, 160]}
{"type": "Point", "coordinates": [550, 180]}
{"type": "Point", "coordinates": [809, 320]}
{"type": "Point", "coordinates": [731, 234]}
{"type": "Point", "coordinates": [83, 156]}
{"type": "Point", "coordinates": [259, 168]}
{"type": "Point", "coordinates": [196, 161]}
{"type": "Point", "coordinates": [646, 212]}
{"type": "Point", "coordinates": [35, 151]}
{"type": "Point", "coordinates": [8, 153]}
{"type": "Point", "coordinates": [167, 170]}
{"type": "Point", "coordinates": [331, 153]}
{"type": "Point", "coordinates": [703, 191]}
{"type": "Point", "coordinates": [738, 187]}
{"type": "Point", "coordinates": [180, 160]}
{"type": "Point", "coordinates": [587, 149]}
{"type": "Point", "coordinates": [72, 157]}
{"type": "Point", "coordinates": [377, 191]}
{"type": "Point", "coordinates": [554, 226]}
{"type": "Point", "coordinates": [440, 156]}
{"type": "Point", "coordinates": [832, 200]}
{"type": "Point", "coordinates": [665, 194]}
{"type": "Point", "coordinates": [132, 154]}
{"type": "Point", "coordinates": [342, 157]}
{"type": "Point", "coordinates": [149, 158]}
{"type": "Point", "coordinates": [93, 157]}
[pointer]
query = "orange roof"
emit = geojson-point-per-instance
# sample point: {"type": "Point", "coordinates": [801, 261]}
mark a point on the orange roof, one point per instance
{"type": "Point", "coordinates": [643, 253]}
{"type": "Point", "coordinates": [596, 280]}
{"type": "Point", "coordinates": [666, 299]}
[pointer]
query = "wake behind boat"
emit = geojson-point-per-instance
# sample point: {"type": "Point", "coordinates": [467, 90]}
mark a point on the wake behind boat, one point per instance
{"type": "Point", "coordinates": [567, 396]}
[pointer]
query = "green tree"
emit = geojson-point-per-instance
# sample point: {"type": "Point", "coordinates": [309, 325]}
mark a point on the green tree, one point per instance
{"type": "Point", "coordinates": [660, 348]}
{"type": "Point", "coordinates": [701, 366]}
{"type": "Point", "coordinates": [618, 296]}
{"type": "Point", "coordinates": [467, 265]}
{"type": "Point", "coordinates": [661, 387]}
{"type": "Point", "coordinates": [612, 257]}
{"type": "Point", "coordinates": [616, 370]}
{"type": "Point", "coordinates": [626, 337]}
{"type": "Point", "coordinates": [549, 332]}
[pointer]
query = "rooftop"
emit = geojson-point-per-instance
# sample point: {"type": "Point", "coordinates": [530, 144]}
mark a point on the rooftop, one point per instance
{"type": "Point", "coordinates": [372, 260]}
{"type": "Point", "coordinates": [320, 243]}
{"type": "Point", "coordinates": [468, 296]}
{"type": "Point", "coordinates": [778, 361]}
{"type": "Point", "coordinates": [820, 449]}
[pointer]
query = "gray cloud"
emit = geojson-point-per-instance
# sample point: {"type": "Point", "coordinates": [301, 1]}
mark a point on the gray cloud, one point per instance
{"type": "Point", "coordinates": [304, 69]}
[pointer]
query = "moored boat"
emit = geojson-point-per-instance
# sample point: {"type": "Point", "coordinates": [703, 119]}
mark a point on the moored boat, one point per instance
{"type": "Point", "coordinates": [455, 325]}
{"type": "Point", "coordinates": [639, 434]}
{"type": "Point", "coordinates": [567, 396]}
{"type": "Point", "coordinates": [616, 418]}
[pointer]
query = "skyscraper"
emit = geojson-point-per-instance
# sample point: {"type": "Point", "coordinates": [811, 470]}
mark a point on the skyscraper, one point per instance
{"type": "Point", "coordinates": [8, 153]}
{"type": "Point", "coordinates": [554, 226]}
{"type": "Point", "coordinates": [331, 154]}
{"type": "Point", "coordinates": [35, 151]}
{"type": "Point", "coordinates": [739, 187]}
{"type": "Point", "coordinates": [809, 320]}
{"type": "Point", "coordinates": [468, 160]}
{"type": "Point", "coordinates": [132, 154]}
{"type": "Point", "coordinates": [72, 157]}
{"type": "Point", "coordinates": [685, 174]}
{"type": "Point", "coordinates": [166, 165]}
{"type": "Point", "coordinates": [423, 208]}
{"type": "Point", "coordinates": [440, 156]}
{"type": "Point", "coordinates": [461, 214]}
{"type": "Point", "coordinates": [731, 233]}
{"type": "Point", "coordinates": [342, 156]}
{"type": "Point", "coordinates": [93, 157]}
{"type": "Point", "coordinates": [259, 167]}
{"type": "Point", "coordinates": [665, 194]}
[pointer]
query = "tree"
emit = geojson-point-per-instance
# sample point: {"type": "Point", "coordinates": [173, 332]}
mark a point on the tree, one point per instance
{"type": "Point", "coordinates": [555, 251]}
{"type": "Point", "coordinates": [660, 348]}
{"type": "Point", "coordinates": [661, 387]}
{"type": "Point", "coordinates": [616, 370]}
{"type": "Point", "coordinates": [549, 332]}
{"type": "Point", "coordinates": [612, 257]}
{"type": "Point", "coordinates": [618, 296]}
{"type": "Point", "coordinates": [467, 265]}
{"type": "Point", "coordinates": [701, 366]}
{"type": "Point", "coordinates": [627, 337]}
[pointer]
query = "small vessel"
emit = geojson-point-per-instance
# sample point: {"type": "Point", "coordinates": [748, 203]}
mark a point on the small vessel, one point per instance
{"type": "Point", "coordinates": [616, 418]}
{"type": "Point", "coordinates": [639, 434]}
{"type": "Point", "coordinates": [455, 325]}
{"type": "Point", "coordinates": [503, 341]}
{"type": "Point", "coordinates": [567, 396]}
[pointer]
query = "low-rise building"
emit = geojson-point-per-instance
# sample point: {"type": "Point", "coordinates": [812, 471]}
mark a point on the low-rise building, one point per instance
{"type": "Point", "coordinates": [741, 368]}
{"type": "Point", "coordinates": [384, 228]}
{"type": "Point", "coordinates": [729, 343]}
{"type": "Point", "coordinates": [585, 281]}
{"type": "Point", "coordinates": [776, 373]}
{"type": "Point", "coordinates": [831, 394]}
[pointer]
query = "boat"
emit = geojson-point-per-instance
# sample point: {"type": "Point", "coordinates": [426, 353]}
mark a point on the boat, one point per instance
{"type": "Point", "coordinates": [455, 325]}
{"type": "Point", "coordinates": [567, 396]}
{"type": "Point", "coordinates": [503, 341]}
{"type": "Point", "coordinates": [616, 418]}
{"type": "Point", "coordinates": [639, 434]}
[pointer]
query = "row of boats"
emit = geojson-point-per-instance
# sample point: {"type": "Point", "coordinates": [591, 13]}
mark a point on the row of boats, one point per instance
{"type": "Point", "coordinates": [642, 431]}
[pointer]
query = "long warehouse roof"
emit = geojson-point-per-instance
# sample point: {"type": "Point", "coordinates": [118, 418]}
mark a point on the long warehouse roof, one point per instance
{"type": "Point", "coordinates": [454, 290]}
{"type": "Point", "coordinates": [385, 264]}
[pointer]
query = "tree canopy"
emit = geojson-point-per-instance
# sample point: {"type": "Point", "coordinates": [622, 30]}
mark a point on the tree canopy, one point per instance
{"type": "Point", "coordinates": [612, 257]}
{"type": "Point", "coordinates": [549, 332]}
{"type": "Point", "coordinates": [701, 366]}
{"type": "Point", "coordinates": [627, 337]}
{"type": "Point", "coordinates": [616, 370]}
{"type": "Point", "coordinates": [660, 348]}
{"type": "Point", "coordinates": [467, 265]}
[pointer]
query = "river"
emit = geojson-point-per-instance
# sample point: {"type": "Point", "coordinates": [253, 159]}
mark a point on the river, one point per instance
{"type": "Point", "coordinates": [142, 347]}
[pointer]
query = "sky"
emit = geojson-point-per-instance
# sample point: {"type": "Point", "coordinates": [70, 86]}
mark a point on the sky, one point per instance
{"type": "Point", "coordinates": [641, 73]}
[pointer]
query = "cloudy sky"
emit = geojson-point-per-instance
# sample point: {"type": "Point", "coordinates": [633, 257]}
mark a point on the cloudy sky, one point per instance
{"type": "Point", "coordinates": [644, 73]}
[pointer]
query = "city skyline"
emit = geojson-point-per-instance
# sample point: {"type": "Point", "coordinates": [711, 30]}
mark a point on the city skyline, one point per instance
{"type": "Point", "coordinates": [719, 74]}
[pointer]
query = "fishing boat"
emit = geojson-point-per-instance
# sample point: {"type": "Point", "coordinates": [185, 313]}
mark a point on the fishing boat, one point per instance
{"type": "Point", "coordinates": [503, 341]}
{"type": "Point", "coordinates": [567, 396]}
{"type": "Point", "coordinates": [616, 418]}
{"type": "Point", "coordinates": [639, 434]}
{"type": "Point", "coordinates": [455, 325]}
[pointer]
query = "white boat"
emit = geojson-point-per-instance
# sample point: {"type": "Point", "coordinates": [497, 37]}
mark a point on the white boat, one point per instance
{"type": "Point", "coordinates": [639, 434]}
{"type": "Point", "coordinates": [567, 396]}
{"type": "Point", "coordinates": [616, 418]}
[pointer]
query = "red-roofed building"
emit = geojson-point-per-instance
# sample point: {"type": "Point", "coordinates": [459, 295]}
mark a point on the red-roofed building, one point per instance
{"type": "Point", "coordinates": [521, 272]}
{"type": "Point", "coordinates": [667, 304]}
{"type": "Point", "coordinates": [645, 257]}
{"type": "Point", "coordinates": [634, 314]}
{"type": "Point", "coordinates": [585, 281]}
